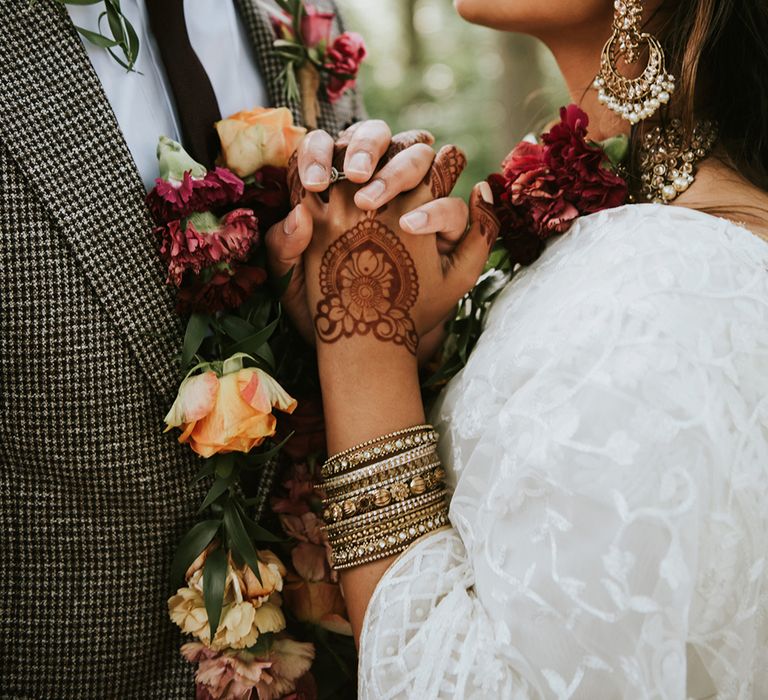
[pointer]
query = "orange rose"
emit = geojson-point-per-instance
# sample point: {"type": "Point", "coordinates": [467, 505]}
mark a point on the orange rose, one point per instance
{"type": "Point", "coordinates": [231, 413]}
{"type": "Point", "coordinates": [317, 602]}
{"type": "Point", "coordinates": [258, 137]}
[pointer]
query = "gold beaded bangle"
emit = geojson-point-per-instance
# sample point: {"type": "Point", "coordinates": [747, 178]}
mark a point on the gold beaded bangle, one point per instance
{"type": "Point", "coordinates": [398, 489]}
{"type": "Point", "coordinates": [383, 514]}
{"type": "Point", "coordinates": [384, 527]}
{"type": "Point", "coordinates": [393, 443]}
{"type": "Point", "coordinates": [372, 470]}
{"type": "Point", "coordinates": [388, 545]}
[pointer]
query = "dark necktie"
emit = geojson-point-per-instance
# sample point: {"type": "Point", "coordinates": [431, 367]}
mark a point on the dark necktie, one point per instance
{"type": "Point", "coordinates": [195, 99]}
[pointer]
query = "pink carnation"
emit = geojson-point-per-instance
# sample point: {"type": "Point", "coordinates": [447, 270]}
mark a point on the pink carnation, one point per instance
{"type": "Point", "coordinates": [230, 675]}
{"type": "Point", "coordinates": [169, 201]}
{"type": "Point", "coordinates": [184, 247]}
{"type": "Point", "coordinates": [343, 62]}
{"type": "Point", "coordinates": [316, 26]}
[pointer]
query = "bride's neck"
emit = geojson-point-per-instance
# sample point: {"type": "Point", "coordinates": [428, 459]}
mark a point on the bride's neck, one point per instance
{"type": "Point", "coordinates": [579, 64]}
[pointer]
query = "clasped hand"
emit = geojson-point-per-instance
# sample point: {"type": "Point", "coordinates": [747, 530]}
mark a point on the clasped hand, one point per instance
{"type": "Point", "coordinates": [385, 255]}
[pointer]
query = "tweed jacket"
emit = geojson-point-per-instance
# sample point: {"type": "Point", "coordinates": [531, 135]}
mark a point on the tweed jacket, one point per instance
{"type": "Point", "coordinates": [93, 496]}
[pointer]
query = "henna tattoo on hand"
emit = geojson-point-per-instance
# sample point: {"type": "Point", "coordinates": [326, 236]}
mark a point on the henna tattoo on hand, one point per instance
{"type": "Point", "coordinates": [489, 222]}
{"type": "Point", "coordinates": [369, 285]}
{"type": "Point", "coordinates": [295, 187]}
{"type": "Point", "coordinates": [445, 172]}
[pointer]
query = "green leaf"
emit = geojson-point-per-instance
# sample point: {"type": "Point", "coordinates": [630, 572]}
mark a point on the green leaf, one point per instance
{"type": "Point", "coordinates": [236, 327]}
{"type": "Point", "coordinates": [218, 488]}
{"type": "Point", "coordinates": [616, 149]}
{"type": "Point", "coordinates": [253, 342]}
{"type": "Point", "coordinates": [241, 542]}
{"type": "Point", "coordinates": [96, 38]}
{"type": "Point", "coordinates": [197, 329]}
{"type": "Point", "coordinates": [79, 2]}
{"type": "Point", "coordinates": [257, 458]}
{"type": "Point", "coordinates": [265, 353]}
{"type": "Point", "coordinates": [208, 468]}
{"type": "Point", "coordinates": [225, 465]}
{"type": "Point", "coordinates": [214, 582]}
{"type": "Point", "coordinates": [256, 531]}
{"type": "Point", "coordinates": [190, 547]}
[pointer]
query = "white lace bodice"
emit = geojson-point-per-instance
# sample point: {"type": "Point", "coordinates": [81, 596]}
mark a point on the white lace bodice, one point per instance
{"type": "Point", "coordinates": [607, 446]}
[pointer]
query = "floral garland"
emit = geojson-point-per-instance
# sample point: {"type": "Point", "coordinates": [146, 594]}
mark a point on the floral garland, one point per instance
{"type": "Point", "coordinates": [304, 44]}
{"type": "Point", "coordinates": [246, 608]}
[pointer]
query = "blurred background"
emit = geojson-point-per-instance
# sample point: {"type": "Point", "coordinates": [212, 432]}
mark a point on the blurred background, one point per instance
{"type": "Point", "coordinates": [479, 89]}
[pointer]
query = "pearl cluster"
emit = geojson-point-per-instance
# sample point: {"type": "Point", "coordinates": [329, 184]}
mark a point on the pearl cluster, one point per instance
{"type": "Point", "coordinates": [668, 158]}
{"type": "Point", "coordinates": [650, 97]}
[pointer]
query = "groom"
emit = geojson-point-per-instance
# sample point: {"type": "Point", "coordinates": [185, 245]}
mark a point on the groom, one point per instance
{"type": "Point", "coordinates": [93, 497]}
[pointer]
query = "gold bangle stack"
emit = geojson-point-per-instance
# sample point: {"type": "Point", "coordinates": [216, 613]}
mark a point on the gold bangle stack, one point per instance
{"type": "Point", "coordinates": [382, 495]}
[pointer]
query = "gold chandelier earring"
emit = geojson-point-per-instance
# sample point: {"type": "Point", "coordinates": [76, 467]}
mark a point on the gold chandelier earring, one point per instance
{"type": "Point", "coordinates": [633, 99]}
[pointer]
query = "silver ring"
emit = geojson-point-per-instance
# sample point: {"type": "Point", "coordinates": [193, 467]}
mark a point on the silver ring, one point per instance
{"type": "Point", "coordinates": [336, 176]}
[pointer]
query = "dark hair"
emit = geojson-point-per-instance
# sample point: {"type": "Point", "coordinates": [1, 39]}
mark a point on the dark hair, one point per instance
{"type": "Point", "coordinates": [718, 50]}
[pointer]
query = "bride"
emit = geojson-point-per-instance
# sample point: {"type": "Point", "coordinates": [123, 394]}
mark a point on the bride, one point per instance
{"type": "Point", "coordinates": [606, 447]}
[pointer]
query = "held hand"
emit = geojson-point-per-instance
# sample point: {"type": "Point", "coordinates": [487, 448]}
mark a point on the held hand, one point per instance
{"type": "Point", "coordinates": [408, 158]}
{"type": "Point", "coordinates": [368, 279]}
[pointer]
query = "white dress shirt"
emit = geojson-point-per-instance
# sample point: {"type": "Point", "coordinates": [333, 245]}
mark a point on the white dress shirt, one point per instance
{"type": "Point", "coordinates": [143, 101]}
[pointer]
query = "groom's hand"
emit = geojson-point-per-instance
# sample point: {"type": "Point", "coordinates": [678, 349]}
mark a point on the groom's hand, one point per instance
{"type": "Point", "coordinates": [408, 158]}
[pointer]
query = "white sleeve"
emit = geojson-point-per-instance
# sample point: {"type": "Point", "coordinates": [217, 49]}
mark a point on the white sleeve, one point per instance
{"type": "Point", "coordinates": [610, 460]}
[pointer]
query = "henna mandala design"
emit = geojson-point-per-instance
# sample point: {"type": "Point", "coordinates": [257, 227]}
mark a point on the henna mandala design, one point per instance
{"type": "Point", "coordinates": [369, 284]}
{"type": "Point", "coordinates": [446, 170]}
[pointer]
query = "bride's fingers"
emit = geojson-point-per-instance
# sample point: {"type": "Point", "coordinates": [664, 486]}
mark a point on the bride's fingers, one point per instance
{"type": "Point", "coordinates": [446, 170]}
{"type": "Point", "coordinates": [446, 217]}
{"type": "Point", "coordinates": [470, 256]}
{"type": "Point", "coordinates": [406, 139]}
{"type": "Point", "coordinates": [367, 144]}
{"type": "Point", "coordinates": [405, 171]}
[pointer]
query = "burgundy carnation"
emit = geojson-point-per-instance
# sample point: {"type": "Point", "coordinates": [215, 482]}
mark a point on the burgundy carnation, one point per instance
{"type": "Point", "coordinates": [343, 61]}
{"type": "Point", "coordinates": [267, 195]}
{"type": "Point", "coordinates": [186, 248]}
{"type": "Point", "coordinates": [169, 201]}
{"type": "Point", "coordinates": [225, 287]}
{"type": "Point", "coordinates": [545, 187]}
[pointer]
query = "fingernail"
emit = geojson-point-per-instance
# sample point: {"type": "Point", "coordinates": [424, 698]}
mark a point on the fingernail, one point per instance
{"type": "Point", "coordinates": [373, 191]}
{"type": "Point", "coordinates": [291, 224]}
{"type": "Point", "coordinates": [316, 175]}
{"type": "Point", "coordinates": [486, 193]}
{"type": "Point", "coordinates": [360, 164]}
{"type": "Point", "coordinates": [415, 221]}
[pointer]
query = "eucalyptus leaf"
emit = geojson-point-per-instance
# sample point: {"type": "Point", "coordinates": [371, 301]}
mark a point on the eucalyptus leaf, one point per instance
{"type": "Point", "coordinates": [219, 487]}
{"type": "Point", "coordinates": [190, 547]}
{"type": "Point", "coordinates": [236, 327]}
{"type": "Point", "coordinates": [241, 541]}
{"type": "Point", "coordinates": [253, 342]}
{"type": "Point", "coordinates": [214, 583]}
{"type": "Point", "coordinates": [96, 38]}
{"type": "Point", "coordinates": [197, 329]}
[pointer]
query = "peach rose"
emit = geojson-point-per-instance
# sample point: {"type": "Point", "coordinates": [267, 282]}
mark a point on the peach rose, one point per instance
{"type": "Point", "coordinates": [231, 413]}
{"type": "Point", "coordinates": [317, 602]}
{"type": "Point", "coordinates": [258, 137]}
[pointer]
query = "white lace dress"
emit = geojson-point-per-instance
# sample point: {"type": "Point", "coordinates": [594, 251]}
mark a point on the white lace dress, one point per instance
{"type": "Point", "coordinates": [607, 447]}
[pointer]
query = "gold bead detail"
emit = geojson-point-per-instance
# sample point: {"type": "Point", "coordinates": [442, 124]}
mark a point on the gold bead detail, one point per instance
{"type": "Point", "coordinates": [350, 508]}
{"type": "Point", "coordinates": [418, 485]}
{"type": "Point", "coordinates": [382, 498]}
{"type": "Point", "coordinates": [399, 491]}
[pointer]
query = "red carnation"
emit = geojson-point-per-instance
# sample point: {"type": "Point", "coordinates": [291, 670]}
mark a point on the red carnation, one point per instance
{"type": "Point", "coordinates": [545, 187]}
{"type": "Point", "coordinates": [316, 26]}
{"type": "Point", "coordinates": [226, 286]}
{"type": "Point", "coordinates": [267, 195]}
{"type": "Point", "coordinates": [170, 200]}
{"type": "Point", "coordinates": [343, 62]}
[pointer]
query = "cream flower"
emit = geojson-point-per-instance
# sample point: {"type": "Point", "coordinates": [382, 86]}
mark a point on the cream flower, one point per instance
{"type": "Point", "coordinates": [187, 610]}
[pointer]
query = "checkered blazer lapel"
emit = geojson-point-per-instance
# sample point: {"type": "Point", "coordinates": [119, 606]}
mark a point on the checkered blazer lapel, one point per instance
{"type": "Point", "coordinates": [57, 123]}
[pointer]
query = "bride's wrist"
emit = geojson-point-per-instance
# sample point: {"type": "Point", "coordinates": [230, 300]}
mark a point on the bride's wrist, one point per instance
{"type": "Point", "coordinates": [369, 389]}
